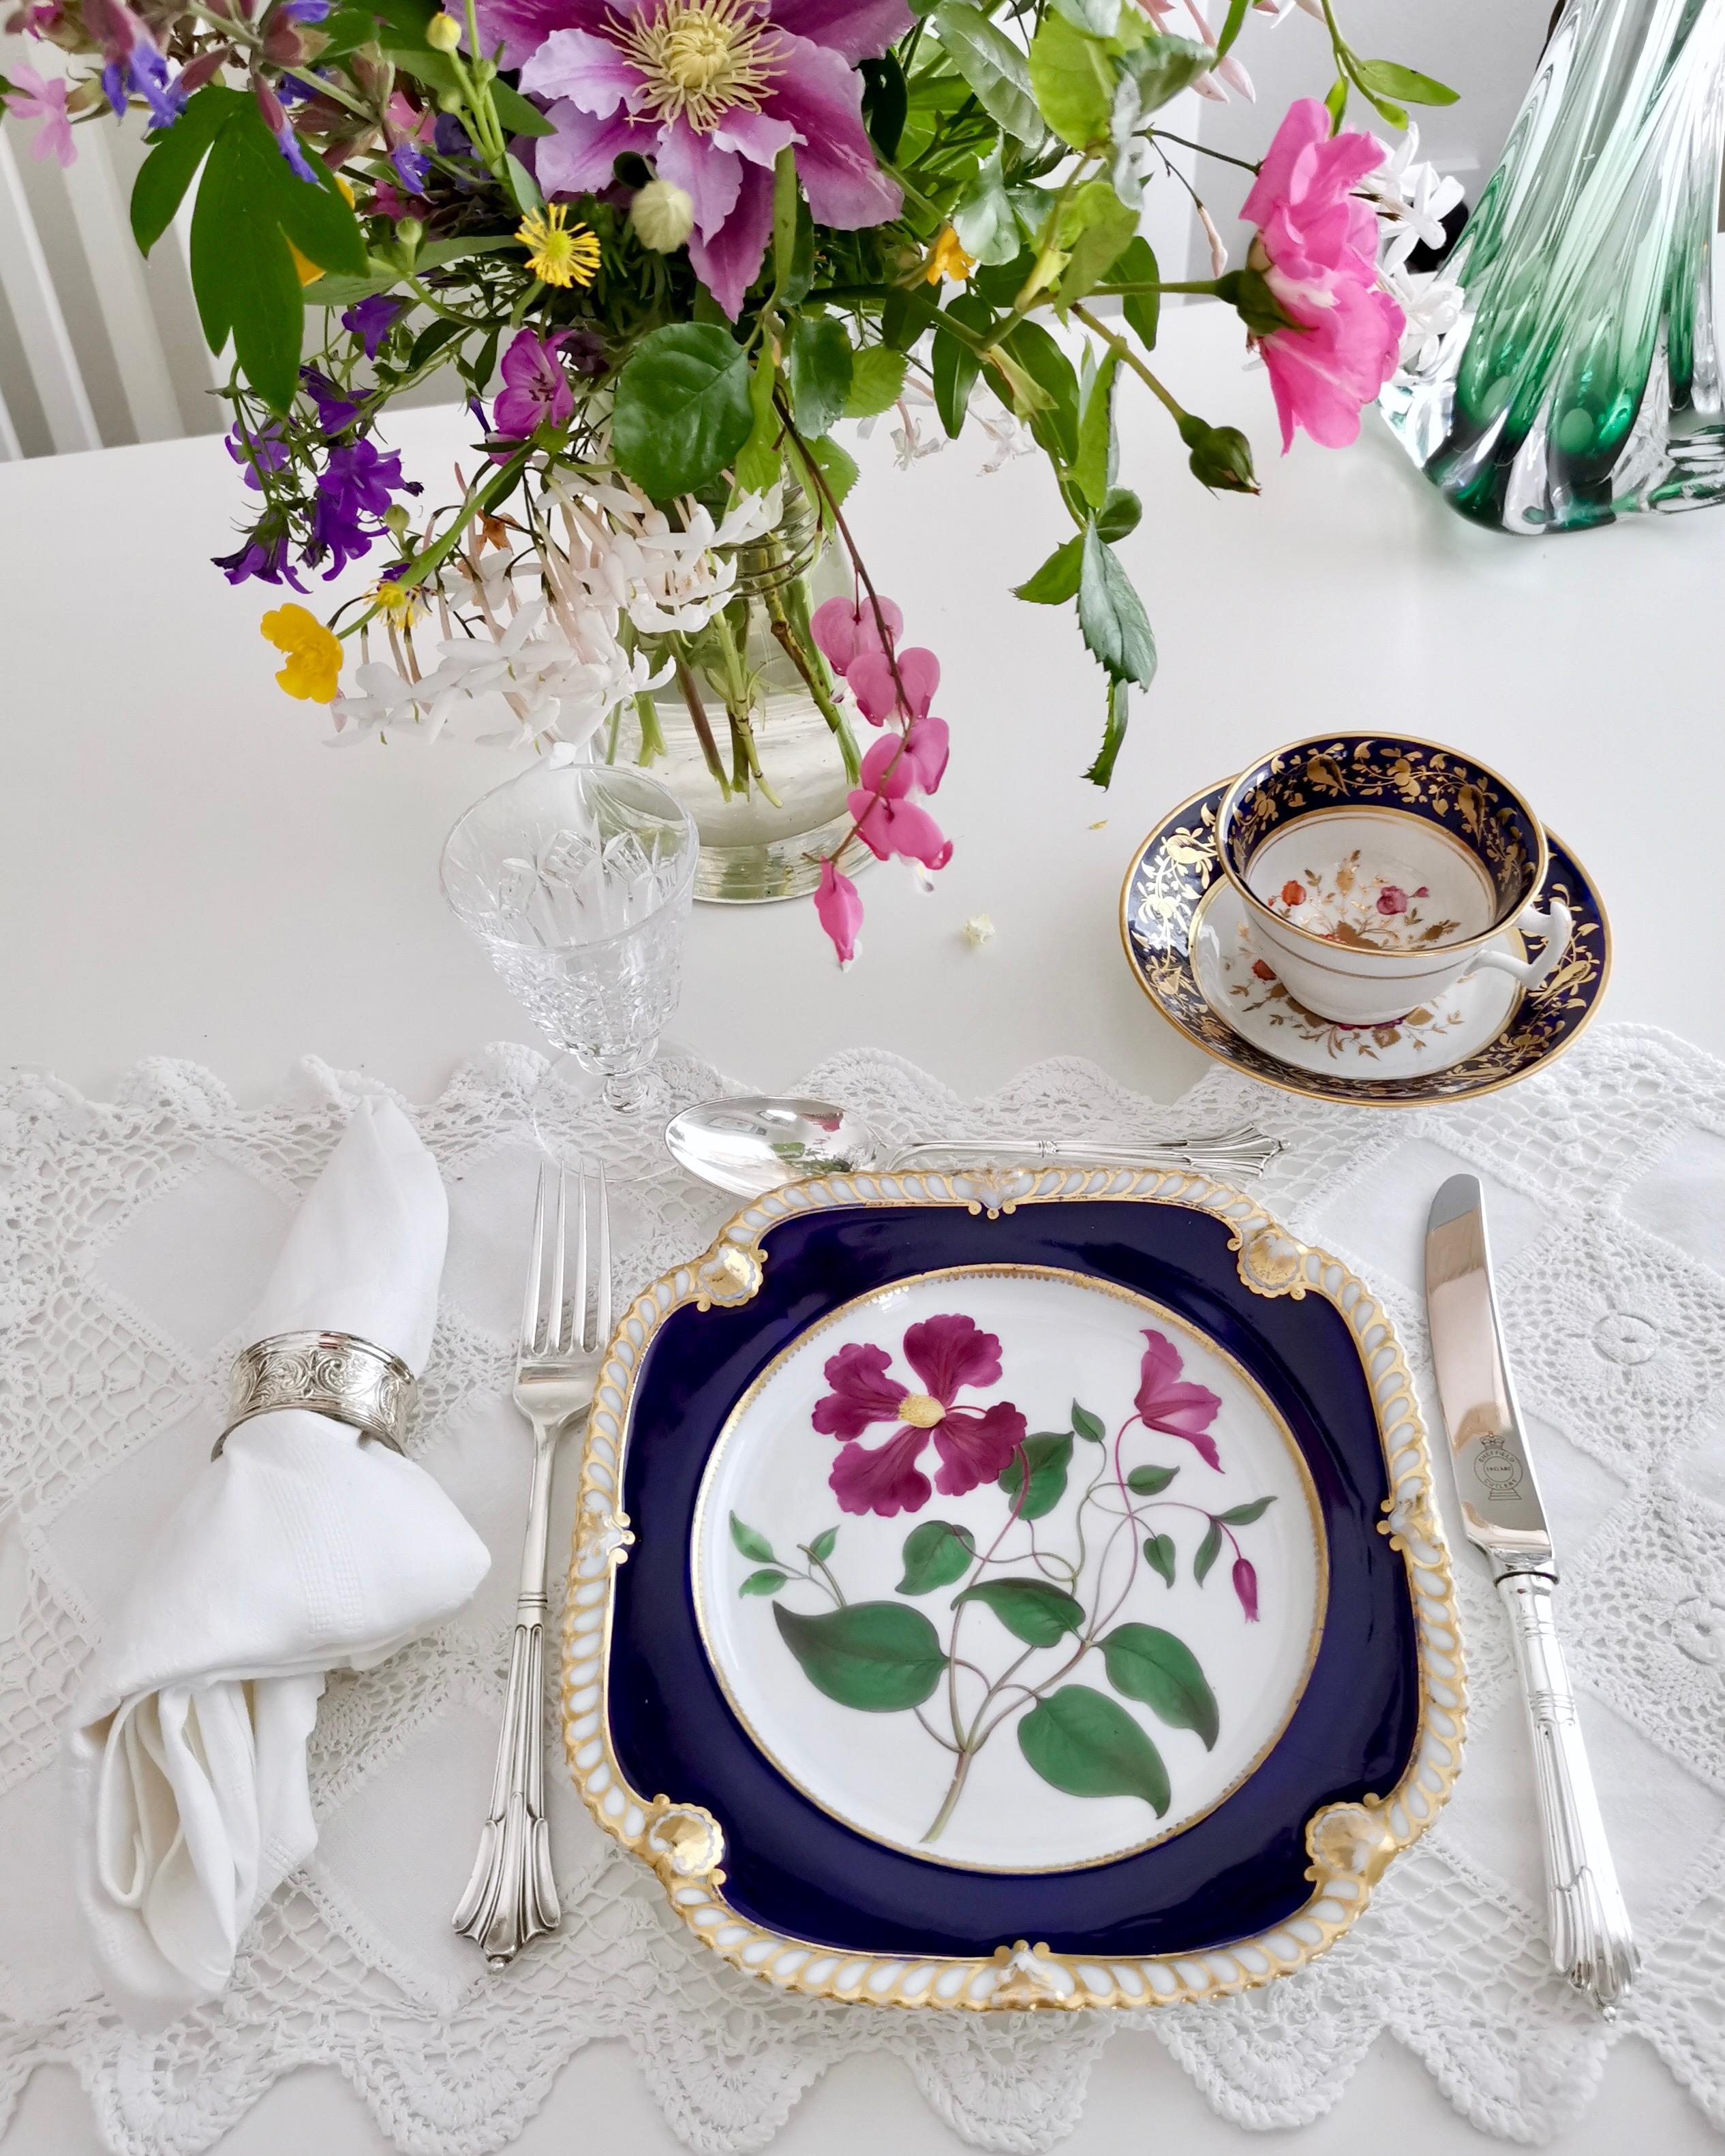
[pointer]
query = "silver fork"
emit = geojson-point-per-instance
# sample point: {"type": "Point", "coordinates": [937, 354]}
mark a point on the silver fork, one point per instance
{"type": "Point", "coordinates": [512, 1896]}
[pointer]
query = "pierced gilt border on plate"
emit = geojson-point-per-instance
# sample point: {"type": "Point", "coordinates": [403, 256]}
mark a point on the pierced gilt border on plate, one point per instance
{"type": "Point", "coordinates": [1350, 1844]}
{"type": "Point", "coordinates": [1173, 871]}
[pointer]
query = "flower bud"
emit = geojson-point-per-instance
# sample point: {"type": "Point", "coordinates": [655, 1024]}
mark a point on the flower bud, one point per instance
{"type": "Point", "coordinates": [395, 518]}
{"type": "Point", "coordinates": [662, 215]}
{"type": "Point", "coordinates": [443, 33]}
{"type": "Point", "coordinates": [284, 43]}
{"type": "Point", "coordinates": [269, 105]}
{"type": "Point", "coordinates": [1221, 456]}
{"type": "Point", "coordinates": [408, 234]}
{"type": "Point", "coordinates": [485, 71]}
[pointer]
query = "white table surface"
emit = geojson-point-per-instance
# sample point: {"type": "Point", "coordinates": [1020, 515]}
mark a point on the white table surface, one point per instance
{"type": "Point", "coordinates": [186, 870]}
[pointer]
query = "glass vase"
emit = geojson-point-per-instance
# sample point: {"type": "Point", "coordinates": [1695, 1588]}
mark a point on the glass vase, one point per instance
{"type": "Point", "coordinates": [747, 731]}
{"type": "Point", "coordinates": [1582, 378]}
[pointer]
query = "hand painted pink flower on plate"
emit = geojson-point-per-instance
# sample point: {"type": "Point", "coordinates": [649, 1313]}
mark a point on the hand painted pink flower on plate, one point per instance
{"type": "Point", "coordinates": [709, 91]}
{"type": "Point", "coordinates": [973, 1444]}
{"type": "Point", "coordinates": [1171, 1403]}
{"type": "Point", "coordinates": [1317, 251]}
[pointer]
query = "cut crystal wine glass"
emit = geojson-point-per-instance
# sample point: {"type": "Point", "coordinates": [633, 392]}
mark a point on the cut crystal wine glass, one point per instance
{"type": "Point", "coordinates": [578, 879]}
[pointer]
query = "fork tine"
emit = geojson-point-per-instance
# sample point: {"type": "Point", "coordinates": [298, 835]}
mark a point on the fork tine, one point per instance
{"type": "Point", "coordinates": [554, 1318]}
{"type": "Point", "coordinates": [536, 1270]}
{"type": "Point", "coordinates": [602, 1285]}
{"type": "Point", "coordinates": [577, 1314]}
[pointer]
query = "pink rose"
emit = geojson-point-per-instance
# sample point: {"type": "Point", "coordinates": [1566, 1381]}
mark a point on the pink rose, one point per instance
{"type": "Point", "coordinates": [1317, 249]}
{"type": "Point", "coordinates": [1392, 899]}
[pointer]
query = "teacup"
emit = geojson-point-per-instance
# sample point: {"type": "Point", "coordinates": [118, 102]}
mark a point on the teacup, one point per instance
{"type": "Point", "coordinates": [1377, 874]}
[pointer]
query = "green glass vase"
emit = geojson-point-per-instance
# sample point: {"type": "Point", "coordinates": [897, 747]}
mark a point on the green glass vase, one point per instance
{"type": "Point", "coordinates": [1582, 378]}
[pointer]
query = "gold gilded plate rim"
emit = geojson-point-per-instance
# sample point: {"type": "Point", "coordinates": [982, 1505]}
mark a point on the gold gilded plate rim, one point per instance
{"type": "Point", "coordinates": [1350, 1844]}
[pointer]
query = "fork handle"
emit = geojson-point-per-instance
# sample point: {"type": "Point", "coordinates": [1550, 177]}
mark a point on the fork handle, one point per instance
{"type": "Point", "coordinates": [1233, 1154]}
{"type": "Point", "coordinates": [512, 1896]}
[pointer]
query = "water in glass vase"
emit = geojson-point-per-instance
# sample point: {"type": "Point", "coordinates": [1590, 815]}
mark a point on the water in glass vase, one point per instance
{"type": "Point", "coordinates": [748, 732]}
{"type": "Point", "coordinates": [1582, 379]}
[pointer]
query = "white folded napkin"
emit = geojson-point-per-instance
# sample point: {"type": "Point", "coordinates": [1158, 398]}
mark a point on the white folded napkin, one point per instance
{"type": "Point", "coordinates": [304, 1548]}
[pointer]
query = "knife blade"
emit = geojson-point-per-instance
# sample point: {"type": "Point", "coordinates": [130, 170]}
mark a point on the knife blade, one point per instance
{"type": "Point", "coordinates": [1592, 1944]}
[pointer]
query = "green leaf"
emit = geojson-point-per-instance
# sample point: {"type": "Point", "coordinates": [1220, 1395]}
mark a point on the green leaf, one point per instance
{"type": "Point", "coordinates": [682, 408]}
{"type": "Point", "coordinates": [437, 71]}
{"type": "Point", "coordinates": [1147, 1482]}
{"type": "Point", "coordinates": [1159, 1555]}
{"type": "Point", "coordinates": [1136, 265]}
{"type": "Point", "coordinates": [1336, 101]}
{"type": "Point", "coordinates": [1101, 19]}
{"type": "Point", "coordinates": [243, 276]}
{"type": "Point", "coordinates": [1057, 580]}
{"type": "Point", "coordinates": [750, 1543]}
{"type": "Point", "coordinates": [885, 102]}
{"type": "Point", "coordinates": [175, 154]}
{"type": "Point", "coordinates": [1119, 515]}
{"type": "Point", "coordinates": [1073, 78]}
{"type": "Point", "coordinates": [907, 313]}
{"type": "Point", "coordinates": [1094, 230]}
{"type": "Point", "coordinates": [985, 220]}
{"type": "Point", "coordinates": [821, 1548]}
{"type": "Point", "coordinates": [1049, 1455]}
{"type": "Point", "coordinates": [759, 464]}
{"type": "Point", "coordinates": [1153, 1665]}
{"type": "Point", "coordinates": [1086, 1743]}
{"type": "Point", "coordinates": [763, 1583]}
{"type": "Point", "coordinates": [1093, 467]}
{"type": "Point", "coordinates": [878, 1656]}
{"type": "Point", "coordinates": [1032, 1610]}
{"type": "Point", "coordinates": [837, 467]}
{"type": "Point", "coordinates": [955, 365]}
{"type": "Point", "coordinates": [936, 1553]}
{"type": "Point", "coordinates": [1112, 616]}
{"type": "Point", "coordinates": [1101, 770]}
{"type": "Point", "coordinates": [1163, 67]}
{"type": "Point", "coordinates": [1232, 23]}
{"type": "Point", "coordinates": [522, 185]}
{"type": "Point", "coordinates": [877, 376]}
{"type": "Point", "coordinates": [316, 218]}
{"type": "Point", "coordinates": [784, 218]}
{"type": "Point", "coordinates": [1085, 1424]}
{"type": "Point", "coordinates": [1241, 1516]}
{"type": "Point", "coordinates": [996, 70]}
{"type": "Point", "coordinates": [431, 340]}
{"type": "Point", "coordinates": [1209, 1550]}
{"type": "Point", "coordinates": [1389, 78]}
{"type": "Point", "coordinates": [1055, 423]}
{"type": "Point", "coordinates": [819, 373]}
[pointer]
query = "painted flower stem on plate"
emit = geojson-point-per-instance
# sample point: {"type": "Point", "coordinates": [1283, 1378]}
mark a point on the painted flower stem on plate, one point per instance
{"type": "Point", "coordinates": [1064, 1562]}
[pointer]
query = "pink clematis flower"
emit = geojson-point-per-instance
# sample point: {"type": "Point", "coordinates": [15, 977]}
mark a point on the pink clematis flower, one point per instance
{"type": "Point", "coordinates": [536, 391]}
{"type": "Point", "coordinates": [35, 98]}
{"type": "Point", "coordinates": [839, 910]}
{"type": "Point", "coordinates": [1172, 1404]}
{"type": "Point", "coordinates": [1317, 251]}
{"type": "Point", "coordinates": [973, 1444]}
{"type": "Point", "coordinates": [710, 91]}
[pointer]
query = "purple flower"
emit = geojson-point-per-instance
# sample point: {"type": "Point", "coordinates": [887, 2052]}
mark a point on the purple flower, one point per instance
{"type": "Point", "coordinates": [145, 75]}
{"type": "Point", "coordinates": [619, 79]}
{"type": "Point", "coordinates": [411, 166]}
{"type": "Point", "coordinates": [535, 392]}
{"type": "Point", "coordinates": [335, 411]}
{"type": "Point", "coordinates": [337, 532]}
{"type": "Point", "coordinates": [264, 451]}
{"type": "Point", "coordinates": [371, 321]}
{"type": "Point", "coordinates": [264, 557]}
{"type": "Point", "coordinates": [303, 11]}
{"type": "Point", "coordinates": [363, 478]}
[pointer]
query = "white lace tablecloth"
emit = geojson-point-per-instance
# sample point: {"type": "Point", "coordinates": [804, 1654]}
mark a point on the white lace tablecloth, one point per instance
{"type": "Point", "coordinates": [133, 1239]}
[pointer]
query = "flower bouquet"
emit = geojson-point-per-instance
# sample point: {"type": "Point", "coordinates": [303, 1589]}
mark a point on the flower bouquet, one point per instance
{"type": "Point", "coordinates": [666, 246]}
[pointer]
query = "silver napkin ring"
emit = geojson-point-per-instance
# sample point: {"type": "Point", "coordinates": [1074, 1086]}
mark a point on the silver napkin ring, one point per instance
{"type": "Point", "coordinates": [335, 1374]}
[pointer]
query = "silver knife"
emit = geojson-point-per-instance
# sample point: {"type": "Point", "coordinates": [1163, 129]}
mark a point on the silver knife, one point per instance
{"type": "Point", "coordinates": [1591, 1942]}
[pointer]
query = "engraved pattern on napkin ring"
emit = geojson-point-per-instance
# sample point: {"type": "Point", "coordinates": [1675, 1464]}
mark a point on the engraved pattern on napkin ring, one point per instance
{"type": "Point", "coordinates": [337, 1374]}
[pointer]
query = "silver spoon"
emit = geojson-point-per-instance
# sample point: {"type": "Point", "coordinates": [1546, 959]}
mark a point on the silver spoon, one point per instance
{"type": "Point", "coordinates": [754, 1144]}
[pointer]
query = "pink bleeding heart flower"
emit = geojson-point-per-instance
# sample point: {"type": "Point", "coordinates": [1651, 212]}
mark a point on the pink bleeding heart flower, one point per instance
{"type": "Point", "coordinates": [1316, 248]}
{"type": "Point", "coordinates": [1172, 1404]}
{"type": "Point", "coordinates": [898, 762]}
{"type": "Point", "coordinates": [876, 689]}
{"type": "Point", "coordinates": [1245, 1586]}
{"type": "Point", "coordinates": [839, 910]}
{"type": "Point", "coordinates": [710, 91]}
{"type": "Point", "coordinates": [889, 825]}
{"type": "Point", "coordinates": [973, 1444]}
{"type": "Point", "coordinates": [844, 631]}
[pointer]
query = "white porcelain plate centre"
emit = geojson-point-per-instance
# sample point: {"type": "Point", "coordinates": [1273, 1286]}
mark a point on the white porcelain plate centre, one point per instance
{"type": "Point", "coordinates": [1014, 1569]}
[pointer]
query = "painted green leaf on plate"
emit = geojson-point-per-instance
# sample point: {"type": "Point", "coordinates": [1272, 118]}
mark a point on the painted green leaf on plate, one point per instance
{"type": "Point", "coordinates": [1048, 1454]}
{"type": "Point", "coordinates": [878, 1656]}
{"type": "Point", "coordinates": [1032, 1610]}
{"type": "Point", "coordinates": [1086, 1743]}
{"type": "Point", "coordinates": [1150, 1665]}
{"type": "Point", "coordinates": [936, 1553]}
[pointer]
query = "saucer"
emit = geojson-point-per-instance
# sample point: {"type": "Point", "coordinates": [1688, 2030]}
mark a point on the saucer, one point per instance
{"type": "Point", "coordinates": [1184, 931]}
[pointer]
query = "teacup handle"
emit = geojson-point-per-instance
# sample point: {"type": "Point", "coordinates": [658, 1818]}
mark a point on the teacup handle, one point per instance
{"type": "Point", "coordinates": [1552, 926]}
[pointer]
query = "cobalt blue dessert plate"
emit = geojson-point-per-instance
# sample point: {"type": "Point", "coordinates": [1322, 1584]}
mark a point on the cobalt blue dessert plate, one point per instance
{"type": "Point", "coordinates": [1017, 1588]}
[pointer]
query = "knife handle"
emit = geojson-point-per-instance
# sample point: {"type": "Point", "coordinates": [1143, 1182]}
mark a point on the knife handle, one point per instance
{"type": "Point", "coordinates": [1591, 1942]}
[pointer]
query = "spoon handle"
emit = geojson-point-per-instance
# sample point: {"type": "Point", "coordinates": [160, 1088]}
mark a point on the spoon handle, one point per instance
{"type": "Point", "coordinates": [1231, 1156]}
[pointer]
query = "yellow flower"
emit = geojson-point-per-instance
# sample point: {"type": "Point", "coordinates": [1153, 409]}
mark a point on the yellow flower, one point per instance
{"type": "Point", "coordinates": [308, 271]}
{"type": "Point", "coordinates": [401, 603]}
{"type": "Point", "coordinates": [558, 253]}
{"type": "Point", "coordinates": [947, 259]}
{"type": "Point", "coordinates": [313, 654]}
